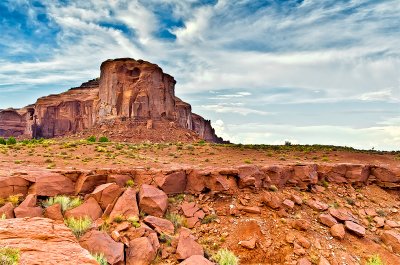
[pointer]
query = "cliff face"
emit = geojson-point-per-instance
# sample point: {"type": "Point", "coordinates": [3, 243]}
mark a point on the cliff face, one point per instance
{"type": "Point", "coordinates": [127, 90]}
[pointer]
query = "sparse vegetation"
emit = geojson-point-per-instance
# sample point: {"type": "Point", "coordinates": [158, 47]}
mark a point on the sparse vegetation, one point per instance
{"type": "Point", "coordinates": [2, 141]}
{"type": "Point", "coordinates": [225, 257]}
{"type": "Point", "coordinates": [9, 256]}
{"type": "Point", "coordinates": [79, 226]}
{"type": "Point", "coordinates": [375, 260]}
{"type": "Point", "coordinates": [11, 141]}
{"type": "Point", "coordinates": [103, 139]}
{"type": "Point", "coordinates": [3, 217]}
{"type": "Point", "coordinates": [209, 218]}
{"type": "Point", "coordinates": [100, 258]}
{"type": "Point", "coordinates": [129, 183]}
{"type": "Point", "coordinates": [91, 139]}
{"type": "Point", "coordinates": [134, 220]}
{"type": "Point", "coordinates": [177, 219]}
{"type": "Point", "coordinates": [14, 199]}
{"type": "Point", "coordinates": [65, 202]}
{"type": "Point", "coordinates": [119, 219]}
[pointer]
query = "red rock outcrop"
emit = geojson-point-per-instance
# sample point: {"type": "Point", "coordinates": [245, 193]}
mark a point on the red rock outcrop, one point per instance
{"type": "Point", "coordinates": [135, 92]}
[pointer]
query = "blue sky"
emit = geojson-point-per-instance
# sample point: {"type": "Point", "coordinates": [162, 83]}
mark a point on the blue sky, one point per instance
{"type": "Point", "coordinates": [311, 71]}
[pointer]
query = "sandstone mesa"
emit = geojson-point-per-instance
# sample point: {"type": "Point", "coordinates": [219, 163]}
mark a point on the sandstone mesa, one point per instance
{"type": "Point", "coordinates": [128, 92]}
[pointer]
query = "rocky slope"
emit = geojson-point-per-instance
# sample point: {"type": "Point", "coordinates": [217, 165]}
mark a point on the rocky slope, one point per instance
{"type": "Point", "coordinates": [130, 91]}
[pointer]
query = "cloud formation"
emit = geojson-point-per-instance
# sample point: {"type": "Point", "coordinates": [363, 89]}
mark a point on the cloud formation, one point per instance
{"type": "Point", "coordinates": [277, 63]}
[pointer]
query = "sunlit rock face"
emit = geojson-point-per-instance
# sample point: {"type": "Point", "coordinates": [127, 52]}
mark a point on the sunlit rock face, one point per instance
{"type": "Point", "coordinates": [128, 89]}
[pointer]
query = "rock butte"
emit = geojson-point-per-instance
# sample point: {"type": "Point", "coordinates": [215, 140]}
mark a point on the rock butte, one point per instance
{"type": "Point", "coordinates": [128, 92]}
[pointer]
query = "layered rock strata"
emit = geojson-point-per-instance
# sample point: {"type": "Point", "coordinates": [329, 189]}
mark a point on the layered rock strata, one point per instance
{"type": "Point", "coordinates": [127, 90]}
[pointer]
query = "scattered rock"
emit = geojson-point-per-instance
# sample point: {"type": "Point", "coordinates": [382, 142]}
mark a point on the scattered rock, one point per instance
{"type": "Point", "coordinates": [173, 183]}
{"type": "Point", "coordinates": [161, 226]}
{"type": "Point", "coordinates": [196, 260]}
{"type": "Point", "coordinates": [297, 199]}
{"type": "Point", "coordinates": [337, 231]}
{"type": "Point", "coordinates": [140, 252]}
{"type": "Point", "coordinates": [304, 242]}
{"type": "Point", "coordinates": [392, 224]}
{"type": "Point", "coordinates": [251, 209]}
{"type": "Point", "coordinates": [89, 208]}
{"type": "Point", "coordinates": [288, 204]}
{"type": "Point", "coordinates": [152, 201]}
{"type": "Point", "coordinates": [187, 246]}
{"type": "Point", "coordinates": [301, 224]}
{"type": "Point", "coordinates": [271, 200]}
{"type": "Point", "coordinates": [380, 221]}
{"type": "Point", "coordinates": [327, 220]}
{"type": "Point", "coordinates": [342, 214]}
{"type": "Point", "coordinates": [126, 205]}
{"type": "Point", "coordinates": [100, 242]}
{"type": "Point", "coordinates": [323, 261]}
{"type": "Point", "coordinates": [28, 208]}
{"type": "Point", "coordinates": [355, 228]}
{"type": "Point", "coordinates": [105, 194]}
{"type": "Point", "coordinates": [303, 261]}
{"type": "Point", "coordinates": [54, 212]}
{"type": "Point", "coordinates": [317, 205]}
{"type": "Point", "coordinates": [249, 244]}
{"type": "Point", "coordinates": [391, 239]}
{"type": "Point", "coordinates": [189, 208]}
{"type": "Point", "coordinates": [8, 210]}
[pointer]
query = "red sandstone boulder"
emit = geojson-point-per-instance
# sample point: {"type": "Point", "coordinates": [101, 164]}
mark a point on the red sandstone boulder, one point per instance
{"type": "Point", "coordinates": [172, 183]}
{"type": "Point", "coordinates": [342, 214]}
{"type": "Point", "coordinates": [54, 212]}
{"type": "Point", "coordinates": [43, 241]}
{"type": "Point", "coordinates": [196, 260]}
{"type": "Point", "coordinates": [386, 175]}
{"type": "Point", "coordinates": [28, 208]}
{"type": "Point", "coordinates": [271, 200]}
{"type": "Point", "coordinates": [89, 208]}
{"type": "Point", "coordinates": [12, 185]}
{"type": "Point", "coordinates": [338, 231]}
{"type": "Point", "coordinates": [88, 182]}
{"type": "Point", "coordinates": [100, 242]}
{"type": "Point", "coordinates": [105, 194]}
{"type": "Point", "coordinates": [196, 181]}
{"type": "Point", "coordinates": [317, 205]}
{"type": "Point", "coordinates": [51, 184]}
{"type": "Point", "coordinates": [391, 239]}
{"type": "Point", "coordinates": [304, 175]}
{"type": "Point", "coordinates": [189, 208]}
{"type": "Point", "coordinates": [126, 205]}
{"type": "Point", "coordinates": [355, 228]}
{"type": "Point", "coordinates": [187, 246]}
{"type": "Point", "coordinates": [161, 226]}
{"type": "Point", "coordinates": [152, 200]}
{"type": "Point", "coordinates": [301, 224]}
{"type": "Point", "coordinates": [119, 179]}
{"type": "Point", "coordinates": [327, 220]}
{"type": "Point", "coordinates": [250, 176]}
{"type": "Point", "coordinates": [140, 252]}
{"type": "Point", "coordinates": [7, 210]}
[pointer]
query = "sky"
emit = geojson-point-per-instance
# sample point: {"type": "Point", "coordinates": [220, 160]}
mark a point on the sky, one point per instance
{"type": "Point", "coordinates": [266, 71]}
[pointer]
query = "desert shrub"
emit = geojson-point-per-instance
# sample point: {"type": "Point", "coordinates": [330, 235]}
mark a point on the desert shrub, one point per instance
{"type": "Point", "coordinates": [103, 139]}
{"type": "Point", "coordinates": [14, 199]}
{"type": "Point", "coordinates": [99, 257]}
{"type": "Point", "coordinates": [209, 219]}
{"type": "Point", "coordinates": [177, 219]}
{"type": "Point", "coordinates": [78, 226]}
{"type": "Point", "coordinates": [9, 256]}
{"type": "Point", "coordinates": [65, 202]}
{"type": "Point", "coordinates": [119, 218]}
{"type": "Point", "coordinates": [375, 260]}
{"type": "Point", "coordinates": [91, 139]}
{"type": "Point", "coordinates": [202, 142]}
{"type": "Point", "coordinates": [247, 161]}
{"type": "Point", "coordinates": [2, 141]}
{"type": "Point", "coordinates": [225, 257]}
{"type": "Point", "coordinates": [11, 141]}
{"type": "Point", "coordinates": [134, 220]}
{"type": "Point", "coordinates": [3, 217]}
{"type": "Point", "coordinates": [129, 183]}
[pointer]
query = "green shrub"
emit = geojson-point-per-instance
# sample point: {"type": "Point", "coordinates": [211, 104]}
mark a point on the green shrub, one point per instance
{"type": "Point", "coordinates": [2, 141]}
{"type": "Point", "coordinates": [91, 139]}
{"type": "Point", "coordinates": [119, 218]}
{"type": "Point", "coordinates": [209, 219]}
{"type": "Point", "coordinates": [375, 260]}
{"type": "Point", "coordinates": [9, 256]}
{"type": "Point", "coordinates": [103, 139]}
{"type": "Point", "coordinates": [177, 219]}
{"type": "Point", "coordinates": [129, 183]}
{"type": "Point", "coordinates": [225, 257]}
{"type": "Point", "coordinates": [11, 141]}
{"type": "Point", "coordinates": [14, 199]}
{"type": "Point", "coordinates": [79, 226]}
{"type": "Point", "coordinates": [99, 257]}
{"type": "Point", "coordinates": [65, 202]}
{"type": "Point", "coordinates": [134, 220]}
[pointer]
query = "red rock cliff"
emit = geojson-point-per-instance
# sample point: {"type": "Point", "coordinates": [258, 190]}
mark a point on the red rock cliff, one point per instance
{"type": "Point", "coordinates": [128, 89]}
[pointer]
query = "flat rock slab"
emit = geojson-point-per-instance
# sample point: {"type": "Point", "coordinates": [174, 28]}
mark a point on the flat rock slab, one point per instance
{"type": "Point", "coordinates": [355, 228]}
{"type": "Point", "coordinates": [43, 241]}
